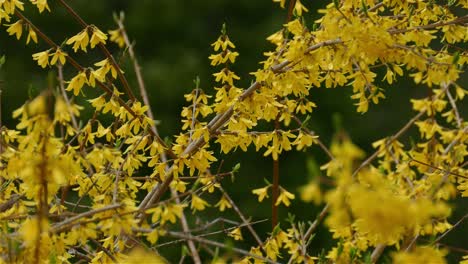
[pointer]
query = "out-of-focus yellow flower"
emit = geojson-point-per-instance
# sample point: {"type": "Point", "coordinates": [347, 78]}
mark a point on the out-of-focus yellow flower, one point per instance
{"type": "Point", "coordinates": [236, 234]}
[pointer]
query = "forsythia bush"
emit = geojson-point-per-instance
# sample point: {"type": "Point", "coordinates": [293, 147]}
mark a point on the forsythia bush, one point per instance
{"type": "Point", "coordinates": [72, 190]}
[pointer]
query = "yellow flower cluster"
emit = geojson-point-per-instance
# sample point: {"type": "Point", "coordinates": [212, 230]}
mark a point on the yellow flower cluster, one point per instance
{"type": "Point", "coordinates": [71, 188]}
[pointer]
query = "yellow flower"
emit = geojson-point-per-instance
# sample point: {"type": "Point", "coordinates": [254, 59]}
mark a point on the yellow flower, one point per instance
{"type": "Point", "coordinates": [198, 204]}
{"type": "Point", "coordinates": [276, 38]}
{"type": "Point", "coordinates": [179, 185]}
{"type": "Point", "coordinates": [16, 28]}
{"type": "Point", "coordinates": [216, 59]}
{"type": "Point", "coordinates": [226, 76]}
{"type": "Point", "coordinates": [282, 2]}
{"type": "Point", "coordinates": [295, 27]}
{"type": "Point", "coordinates": [80, 40]}
{"type": "Point", "coordinates": [236, 234]}
{"type": "Point", "coordinates": [420, 255]}
{"type": "Point", "coordinates": [77, 83]}
{"type": "Point", "coordinates": [223, 204]}
{"type": "Point", "coordinates": [10, 6]}
{"type": "Point", "coordinates": [171, 213]}
{"type": "Point", "coordinates": [42, 58]}
{"type": "Point", "coordinates": [222, 42]}
{"type": "Point", "coordinates": [311, 193]}
{"type": "Point", "coordinates": [58, 55]}
{"type": "Point", "coordinates": [117, 37]}
{"type": "Point", "coordinates": [284, 197]}
{"type": "Point", "coordinates": [97, 37]}
{"type": "Point", "coordinates": [299, 7]}
{"type": "Point", "coordinates": [41, 5]}
{"type": "Point", "coordinates": [31, 35]}
{"type": "Point", "coordinates": [261, 192]}
{"type": "Point", "coordinates": [139, 255]}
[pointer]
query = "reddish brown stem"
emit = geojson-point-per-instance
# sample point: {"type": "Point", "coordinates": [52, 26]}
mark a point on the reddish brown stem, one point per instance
{"type": "Point", "coordinates": [292, 3]}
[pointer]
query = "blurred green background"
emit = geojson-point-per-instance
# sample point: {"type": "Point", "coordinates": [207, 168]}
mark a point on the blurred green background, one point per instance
{"type": "Point", "coordinates": [173, 40]}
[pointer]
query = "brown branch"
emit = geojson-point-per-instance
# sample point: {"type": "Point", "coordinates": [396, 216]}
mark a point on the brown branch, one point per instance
{"type": "Point", "coordinates": [378, 250]}
{"type": "Point", "coordinates": [14, 198]}
{"type": "Point", "coordinates": [292, 3]}
{"type": "Point", "coordinates": [62, 226]}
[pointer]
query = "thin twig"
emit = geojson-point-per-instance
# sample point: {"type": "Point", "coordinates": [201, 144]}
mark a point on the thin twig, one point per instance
{"type": "Point", "coordinates": [389, 142]}
{"type": "Point", "coordinates": [313, 227]}
{"type": "Point", "coordinates": [454, 107]}
{"type": "Point", "coordinates": [61, 82]}
{"type": "Point", "coordinates": [62, 226]}
{"type": "Point", "coordinates": [242, 217]}
{"type": "Point", "coordinates": [379, 249]}
{"type": "Point", "coordinates": [220, 245]}
{"type": "Point", "coordinates": [449, 230]}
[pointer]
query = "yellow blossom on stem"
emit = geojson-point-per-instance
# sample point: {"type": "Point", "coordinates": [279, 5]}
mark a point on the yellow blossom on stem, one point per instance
{"type": "Point", "coordinates": [80, 40]}
{"type": "Point", "coordinates": [10, 5]}
{"type": "Point", "coordinates": [42, 58]}
{"type": "Point", "coordinates": [261, 192]}
{"type": "Point", "coordinates": [223, 204]}
{"type": "Point", "coordinates": [281, 2]}
{"type": "Point", "coordinates": [58, 55]}
{"type": "Point", "coordinates": [284, 197]}
{"type": "Point", "coordinates": [222, 42]}
{"type": "Point", "coordinates": [31, 35]}
{"type": "Point", "coordinates": [97, 37]}
{"type": "Point", "coordinates": [16, 29]}
{"type": "Point", "coordinates": [41, 5]}
{"type": "Point", "coordinates": [77, 83]}
{"type": "Point", "coordinates": [198, 204]}
{"type": "Point", "coordinates": [236, 234]}
{"type": "Point", "coordinates": [299, 8]}
{"type": "Point", "coordinates": [226, 76]}
{"type": "Point", "coordinates": [116, 36]}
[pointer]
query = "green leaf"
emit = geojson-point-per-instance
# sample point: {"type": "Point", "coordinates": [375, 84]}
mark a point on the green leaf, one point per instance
{"type": "Point", "coordinates": [236, 168]}
{"type": "Point", "coordinates": [276, 230]}
{"type": "Point", "coordinates": [2, 60]}
{"type": "Point", "coordinates": [456, 58]}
